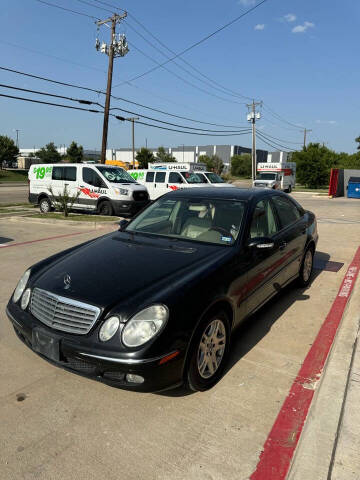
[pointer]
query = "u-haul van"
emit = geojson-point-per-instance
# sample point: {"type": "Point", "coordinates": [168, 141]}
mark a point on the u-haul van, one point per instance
{"type": "Point", "coordinates": [102, 188]}
{"type": "Point", "coordinates": [161, 178]}
{"type": "Point", "coordinates": [280, 176]}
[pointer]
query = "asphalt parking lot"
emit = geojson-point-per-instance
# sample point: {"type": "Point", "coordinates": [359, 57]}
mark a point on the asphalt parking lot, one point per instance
{"type": "Point", "coordinates": [56, 425]}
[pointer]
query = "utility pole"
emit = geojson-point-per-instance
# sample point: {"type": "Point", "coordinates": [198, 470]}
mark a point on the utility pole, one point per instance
{"type": "Point", "coordinates": [305, 132]}
{"type": "Point", "coordinates": [252, 117]}
{"type": "Point", "coordinates": [116, 48]}
{"type": "Point", "coordinates": [133, 120]}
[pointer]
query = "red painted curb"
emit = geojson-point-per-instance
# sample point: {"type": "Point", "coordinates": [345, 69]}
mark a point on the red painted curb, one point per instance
{"type": "Point", "coordinates": [279, 448]}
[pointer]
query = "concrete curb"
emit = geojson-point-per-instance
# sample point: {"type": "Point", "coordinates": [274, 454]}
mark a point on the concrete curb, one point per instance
{"type": "Point", "coordinates": [314, 455]}
{"type": "Point", "coordinates": [13, 184]}
{"type": "Point", "coordinates": [53, 221]}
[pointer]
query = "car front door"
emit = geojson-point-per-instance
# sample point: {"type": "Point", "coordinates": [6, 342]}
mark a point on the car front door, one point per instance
{"type": "Point", "coordinates": [264, 264]}
{"type": "Point", "coordinates": [293, 234]}
{"type": "Point", "coordinates": [160, 186]}
{"type": "Point", "coordinates": [90, 184]}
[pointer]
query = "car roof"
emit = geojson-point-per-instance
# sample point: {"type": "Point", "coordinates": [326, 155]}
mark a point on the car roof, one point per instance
{"type": "Point", "coordinates": [223, 193]}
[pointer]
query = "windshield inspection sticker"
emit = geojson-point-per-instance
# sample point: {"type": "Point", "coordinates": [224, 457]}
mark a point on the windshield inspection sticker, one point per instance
{"type": "Point", "coordinates": [226, 239]}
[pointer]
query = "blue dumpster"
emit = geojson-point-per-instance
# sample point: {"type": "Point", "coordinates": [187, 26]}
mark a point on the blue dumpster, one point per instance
{"type": "Point", "coordinates": [353, 189]}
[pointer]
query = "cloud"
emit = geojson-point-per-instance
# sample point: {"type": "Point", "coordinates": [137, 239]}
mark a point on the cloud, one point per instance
{"type": "Point", "coordinates": [246, 3]}
{"type": "Point", "coordinates": [259, 26]}
{"type": "Point", "coordinates": [290, 17]}
{"type": "Point", "coordinates": [327, 122]}
{"type": "Point", "coordinates": [303, 28]}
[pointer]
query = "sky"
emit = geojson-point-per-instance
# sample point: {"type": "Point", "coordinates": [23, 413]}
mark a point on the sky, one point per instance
{"type": "Point", "coordinates": [300, 57]}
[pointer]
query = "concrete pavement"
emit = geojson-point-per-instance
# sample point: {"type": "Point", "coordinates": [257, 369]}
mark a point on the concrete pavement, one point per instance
{"type": "Point", "coordinates": [56, 425]}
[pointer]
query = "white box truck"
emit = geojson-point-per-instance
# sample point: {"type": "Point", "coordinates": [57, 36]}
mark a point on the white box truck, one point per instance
{"type": "Point", "coordinates": [280, 176]}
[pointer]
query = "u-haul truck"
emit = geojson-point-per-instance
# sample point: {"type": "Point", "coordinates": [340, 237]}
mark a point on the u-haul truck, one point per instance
{"type": "Point", "coordinates": [279, 176]}
{"type": "Point", "coordinates": [161, 178]}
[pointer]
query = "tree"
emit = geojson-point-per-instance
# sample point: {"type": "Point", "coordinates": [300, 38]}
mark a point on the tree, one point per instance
{"type": "Point", "coordinates": [357, 140]}
{"type": "Point", "coordinates": [49, 154]}
{"type": "Point", "coordinates": [313, 165]}
{"type": "Point", "coordinates": [75, 153]}
{"type": "Point", "coordinates": [8, 150]}
{"type": "Point", "coordinates": [144, 156]}
{"type": "Point", "coordinates": [213, 163]}
{"type": "Point", "coordinates": [163, 156]}
{"type": "Point", "coordinates": [241, 165]}
{"type": "Point", "coordinates": [64, 200]}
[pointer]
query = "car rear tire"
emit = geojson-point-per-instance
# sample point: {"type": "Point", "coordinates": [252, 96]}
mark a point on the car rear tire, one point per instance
{"type": "Point", "coordinates": [105, 208]}
{"type": "Point", "coordinates": [208, 352]}
{"type": "Point", "coordinates": [306, 268]}
{"type": "Point", "coordinates": [45, 205]}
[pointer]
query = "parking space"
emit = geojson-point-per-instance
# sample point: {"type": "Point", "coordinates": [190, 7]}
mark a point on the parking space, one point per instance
{"type": "Point", "coordinates": [57, 425]}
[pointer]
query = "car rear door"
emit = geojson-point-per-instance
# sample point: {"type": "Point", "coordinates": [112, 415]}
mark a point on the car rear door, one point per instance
{"type": "Point", "coordinates": [293, 235]}
{"type": "Point", "coordinates": [71, 182]}
{"type": "Point", "coordinates": [160, 184]}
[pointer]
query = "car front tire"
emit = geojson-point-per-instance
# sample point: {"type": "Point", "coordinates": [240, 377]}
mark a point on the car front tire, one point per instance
{"type": "Point", "coordinates": [105, 208]}
{"type": "Point", "coordinates": [208, 352]}
{"type": "Point", "coordinates": [306, 268]}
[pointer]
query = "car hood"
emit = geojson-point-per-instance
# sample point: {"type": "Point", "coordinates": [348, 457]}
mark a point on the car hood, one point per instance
{"type": "Point", "coordinates": [117, 266]}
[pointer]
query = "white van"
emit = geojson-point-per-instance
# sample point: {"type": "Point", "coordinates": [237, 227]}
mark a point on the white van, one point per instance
{"type": "Point", "coordinates": [213, 179]}
{"type": "Point", "coordinates": [279, 176]}
{"type": "Point", "coordinates": [105, 189]}
{"type": "Point", "coordinates": [161, 178]}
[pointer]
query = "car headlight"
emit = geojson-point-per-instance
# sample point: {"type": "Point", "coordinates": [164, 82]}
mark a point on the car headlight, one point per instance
{"type": "Point", "coordinates": [21, 286]}
{"type": "Point", "coordinates": [145, 325]}
{"type": "Point", "coordinates": [109, 328]}
{"type": "Point", "coordinates": [121, 191]}
{"type": "Point", "coordinates": [25, 299]}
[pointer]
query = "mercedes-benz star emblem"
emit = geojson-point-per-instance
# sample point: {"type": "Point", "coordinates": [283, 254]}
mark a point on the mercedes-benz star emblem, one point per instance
{"type": "Point", "coordinates": [67, 281]}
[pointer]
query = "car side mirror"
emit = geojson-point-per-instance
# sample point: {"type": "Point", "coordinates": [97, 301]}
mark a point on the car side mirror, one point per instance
{"type": "Point", "coordinates": [123, 224]}
{"type": "Point", "coordinates": [260, 243]}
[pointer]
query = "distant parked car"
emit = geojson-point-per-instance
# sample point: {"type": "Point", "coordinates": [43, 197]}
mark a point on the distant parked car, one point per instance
{"type": "Point", "coordinates": [154, 305]}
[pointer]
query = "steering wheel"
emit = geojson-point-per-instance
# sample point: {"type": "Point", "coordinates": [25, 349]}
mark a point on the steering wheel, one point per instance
{"type": "Point", "coordinates": [222, 231]}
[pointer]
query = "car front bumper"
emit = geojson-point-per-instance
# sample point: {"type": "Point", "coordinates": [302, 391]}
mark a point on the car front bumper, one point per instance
{"type": "Point", "coordinates": [98, 364]}
{"type": "Point", "coordinates": [128, 207]}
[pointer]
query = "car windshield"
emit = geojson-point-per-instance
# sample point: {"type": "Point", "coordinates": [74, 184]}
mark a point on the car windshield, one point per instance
{"type": "Point", "coordinates": [266, 176]}
{"type": "Point", "coordinates": [214, 177]}
{"type": "Point", "coordinates": [116, 175]}
{"type": "Point", "coordinates": [202, 220]}
{"type": "Point", "coordinates": [192, 177]}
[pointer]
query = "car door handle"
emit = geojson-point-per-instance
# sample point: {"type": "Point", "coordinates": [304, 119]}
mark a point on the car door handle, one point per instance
{"type": "Point", "coordinates": [81, 186]}
{"type": "Point", "coordinates": [282, 246]}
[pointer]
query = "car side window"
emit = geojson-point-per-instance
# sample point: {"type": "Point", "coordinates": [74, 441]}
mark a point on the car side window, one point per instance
{"type": "Point", "coordinates": [160, 177]}
{"type": "Point", "coordinates": [92, 178]}
{"type": "Point", "coordinates": [58, 173]}
{"type": "Point", "coordinates": [70, 174]}
{"type": "Point", "coordinates": [263, 223]}
{"type": "Point", "coordinates": [175, 177]}
{"type": "Point", "coordinates": [150, 176]}
{"type": "Point", "coordinates": [288, 212]}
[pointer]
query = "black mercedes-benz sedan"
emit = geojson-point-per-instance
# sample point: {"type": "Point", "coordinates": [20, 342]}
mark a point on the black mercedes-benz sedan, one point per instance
{"type": "Point", "coordinates": [153, 305]}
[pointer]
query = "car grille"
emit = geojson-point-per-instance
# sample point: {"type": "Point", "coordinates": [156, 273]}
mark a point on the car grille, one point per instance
{"type": "Point", "coordinates": [63, 313]}
{"type": "Point", "coordinates": [260, 185]}
{"type": "Point", "coordinates": [140, 196]}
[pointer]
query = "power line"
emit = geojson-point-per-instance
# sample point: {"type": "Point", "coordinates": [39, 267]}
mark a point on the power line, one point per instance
{"type": "Point", "coordinates": [279, 117]}
{"type": "Point", "coordinates": [177, 76]}
{"type": "Point", "coordinates": [271, 142]}
{"type": "Point", "coordinates": [268, 143]}
{"type": "Point", "coordinates": [177, 64]}
{"type": "Point", "coordinates": [66, 9]}
{"type": "Point", "coordinates": [51, 56]}
{"type": "Point", "coordinates": [37, 92]}
{"type": "Point", "coordinates": [89, 102]}
{"type": "Point", "coordinates": [281, 140]}
{"type": "Point", "coordinates": [50, 103]}
{"type": "Point", "coordinates": [200, 41]}
{"type": "Point", "coordinates": [66, 84]}
{"type": "Point", "coordinates": [117, 117]}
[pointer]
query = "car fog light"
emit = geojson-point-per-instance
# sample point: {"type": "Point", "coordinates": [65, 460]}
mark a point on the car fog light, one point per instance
{"type": "Point", "coordinates": [131, 378]}
{"type": "Point", "coordinates": [25, 298]}
{"type": "Point", "coordinates": [109, 328]}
